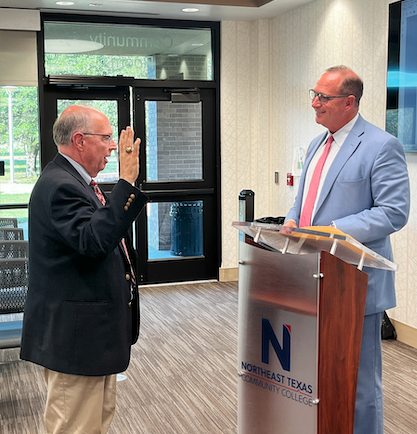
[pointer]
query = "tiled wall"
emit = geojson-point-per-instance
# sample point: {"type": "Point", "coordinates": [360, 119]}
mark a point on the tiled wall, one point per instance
{"type": "Point", "coordinates": [267, 68]}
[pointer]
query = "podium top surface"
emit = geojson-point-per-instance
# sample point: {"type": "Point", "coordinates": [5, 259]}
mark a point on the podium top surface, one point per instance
{"type": "Point", "coordinates": [313, 240]}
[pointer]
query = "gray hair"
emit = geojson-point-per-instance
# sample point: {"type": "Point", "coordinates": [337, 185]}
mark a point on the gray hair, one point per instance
{"type": "Point", "coordinates": [68, 123]}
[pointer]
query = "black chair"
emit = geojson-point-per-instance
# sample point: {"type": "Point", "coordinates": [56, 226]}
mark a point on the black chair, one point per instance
{"type": "Point", "coordinates": [13, 289]}
{"type": "Point", "coordinates": [14, 249]}
{"type": "Point", "coordinates": [8, 222]}
{"type": "Point", "coordinates": [9, 234]}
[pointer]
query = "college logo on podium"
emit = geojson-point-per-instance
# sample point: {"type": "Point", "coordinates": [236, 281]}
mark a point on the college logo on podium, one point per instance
{"type": "Point", "coordinates": [269, 337]}
{"type": "Point", "coordinates": [269, 363]}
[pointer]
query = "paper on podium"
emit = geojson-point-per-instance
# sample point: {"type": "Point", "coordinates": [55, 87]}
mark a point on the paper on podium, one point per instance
{"type": "Point", "coordinates": [313, 239]}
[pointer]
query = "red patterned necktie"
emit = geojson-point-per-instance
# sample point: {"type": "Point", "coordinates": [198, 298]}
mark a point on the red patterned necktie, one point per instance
{"type": "Point", "coordinates": [307, 211]}
{"type": "Point", "coordinates": [97, 191]}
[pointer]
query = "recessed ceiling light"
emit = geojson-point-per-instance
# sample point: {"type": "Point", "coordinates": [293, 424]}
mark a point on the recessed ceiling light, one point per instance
{"type": "Point", "coordinates": [190, 10]}
{"type": "Point", "coordinates": [95, 5]}
{"type": "Point", "coordinates": [197, 45]}
{"type": "Point", "coordinates": [64, 3]}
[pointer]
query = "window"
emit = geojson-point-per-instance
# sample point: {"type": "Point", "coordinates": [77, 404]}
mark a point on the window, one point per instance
{"type": "Point", "coordinates": [127, 50]}
{"type": "Point", "coordinates": [19, 150]}
{"type": "Point", "coordinates": [173, 141]}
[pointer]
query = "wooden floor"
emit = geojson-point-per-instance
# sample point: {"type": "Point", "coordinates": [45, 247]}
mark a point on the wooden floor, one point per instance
{"type": "Point", "coordinates": [182, 377]}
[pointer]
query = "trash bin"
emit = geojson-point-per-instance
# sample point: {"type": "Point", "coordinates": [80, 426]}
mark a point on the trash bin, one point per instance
{"type": "Point", "coordinates": [186, 228]}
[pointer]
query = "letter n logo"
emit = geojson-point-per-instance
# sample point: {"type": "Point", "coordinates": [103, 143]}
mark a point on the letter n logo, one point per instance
{"type": "Point", "coordinates": [284, 352]}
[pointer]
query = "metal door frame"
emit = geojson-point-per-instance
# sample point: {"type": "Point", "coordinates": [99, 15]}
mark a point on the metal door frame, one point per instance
{"type": "Point", "coordinates": [207, 189]}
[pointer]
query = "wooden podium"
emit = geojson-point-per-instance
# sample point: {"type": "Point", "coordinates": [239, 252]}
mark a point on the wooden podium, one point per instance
{"type": "Point", "coordinates": [301, 310]}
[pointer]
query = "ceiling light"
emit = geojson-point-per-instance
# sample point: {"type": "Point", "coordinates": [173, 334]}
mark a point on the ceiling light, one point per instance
{"type": "Point", "coordinates": [190, 10]}
{"type": "Point", "coordinates": [64, 3]}
{"type": "Point", "coordinates": [197, 45]}
{"type": "Point", "coordinates": [95, 5]}
{"type": "Point", "coordinates": [70, 46]}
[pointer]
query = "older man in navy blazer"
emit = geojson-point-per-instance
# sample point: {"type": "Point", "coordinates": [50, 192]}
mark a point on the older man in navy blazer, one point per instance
{"type": "Point", "coordinates": [363, 190]}
{"type": "Point", "coordinates": [81, 313]}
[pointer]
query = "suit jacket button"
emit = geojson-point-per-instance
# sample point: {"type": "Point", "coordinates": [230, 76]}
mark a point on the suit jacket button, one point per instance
{"type": "Point", "coordinates": [132, 196]}
{"type": "Point", "coordinates": [127, 276]}
{"type": "Point", "coordinates": [126, 208]}
{"type": "Point", "coordinates": [129, 304]}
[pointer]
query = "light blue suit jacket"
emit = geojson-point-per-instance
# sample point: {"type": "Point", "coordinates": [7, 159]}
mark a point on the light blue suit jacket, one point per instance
{"type": "Point", "coordinates": [366, 193]}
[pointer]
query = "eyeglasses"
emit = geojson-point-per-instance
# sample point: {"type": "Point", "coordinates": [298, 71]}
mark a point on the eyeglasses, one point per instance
{"type": "Point", "coordinates": [324, 99]}
{"type": "Point", "coordinates": [109, 137]}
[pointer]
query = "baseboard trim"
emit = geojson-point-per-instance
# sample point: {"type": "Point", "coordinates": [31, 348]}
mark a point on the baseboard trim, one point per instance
{"type": "Point", "coordinates": [228, 274]}
{"type": "Point", "coordinates": [405, 333]}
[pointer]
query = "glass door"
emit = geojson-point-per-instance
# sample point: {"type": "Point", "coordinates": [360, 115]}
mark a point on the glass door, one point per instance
{"type": "Point", "coordinates": [179, 175]}
{"type": "Point", "coordinates": [113, 102]}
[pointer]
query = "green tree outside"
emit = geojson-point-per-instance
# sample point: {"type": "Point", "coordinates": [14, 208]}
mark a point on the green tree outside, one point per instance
{"type": "Point", "coordinates": [25, 134]}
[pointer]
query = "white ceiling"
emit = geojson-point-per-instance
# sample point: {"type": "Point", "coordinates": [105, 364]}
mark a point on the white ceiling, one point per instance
{"type": "Point", "coordinates": [153, 9]}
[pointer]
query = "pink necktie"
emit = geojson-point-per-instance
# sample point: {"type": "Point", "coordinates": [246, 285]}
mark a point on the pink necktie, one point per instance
{"type": "Point", "coordinates": [97, 191]}
{"type": "Point", "coordinates": [307, 211]}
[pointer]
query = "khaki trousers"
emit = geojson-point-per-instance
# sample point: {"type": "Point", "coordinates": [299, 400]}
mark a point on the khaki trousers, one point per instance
{"type": "Point", "coordinates": [79, 405]}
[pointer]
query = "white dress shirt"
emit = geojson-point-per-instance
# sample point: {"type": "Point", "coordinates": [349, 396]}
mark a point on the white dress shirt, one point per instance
{"type": "Point", "coordinates": [339, 138]}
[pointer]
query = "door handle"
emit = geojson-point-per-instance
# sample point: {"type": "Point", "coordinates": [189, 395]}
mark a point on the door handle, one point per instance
{"type": "Point", "coordinates": [185, 192]}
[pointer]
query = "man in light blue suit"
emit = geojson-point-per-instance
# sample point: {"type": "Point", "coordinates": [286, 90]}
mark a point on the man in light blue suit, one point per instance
{"type": "Point", "coordinates": [364, 191]}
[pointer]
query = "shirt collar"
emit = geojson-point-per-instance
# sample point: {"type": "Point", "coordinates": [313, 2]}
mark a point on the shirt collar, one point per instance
{"type": "Point", "coordinates": [341, 134]}
{"type": "Point", "coordinates": [80, 169]}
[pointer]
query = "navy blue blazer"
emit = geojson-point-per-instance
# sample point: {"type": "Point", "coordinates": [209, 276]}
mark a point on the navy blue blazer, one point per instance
{"type": "Point", "coordinates": [78, 315]}
{"type": "Point", "coordinates": [367, 194]}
